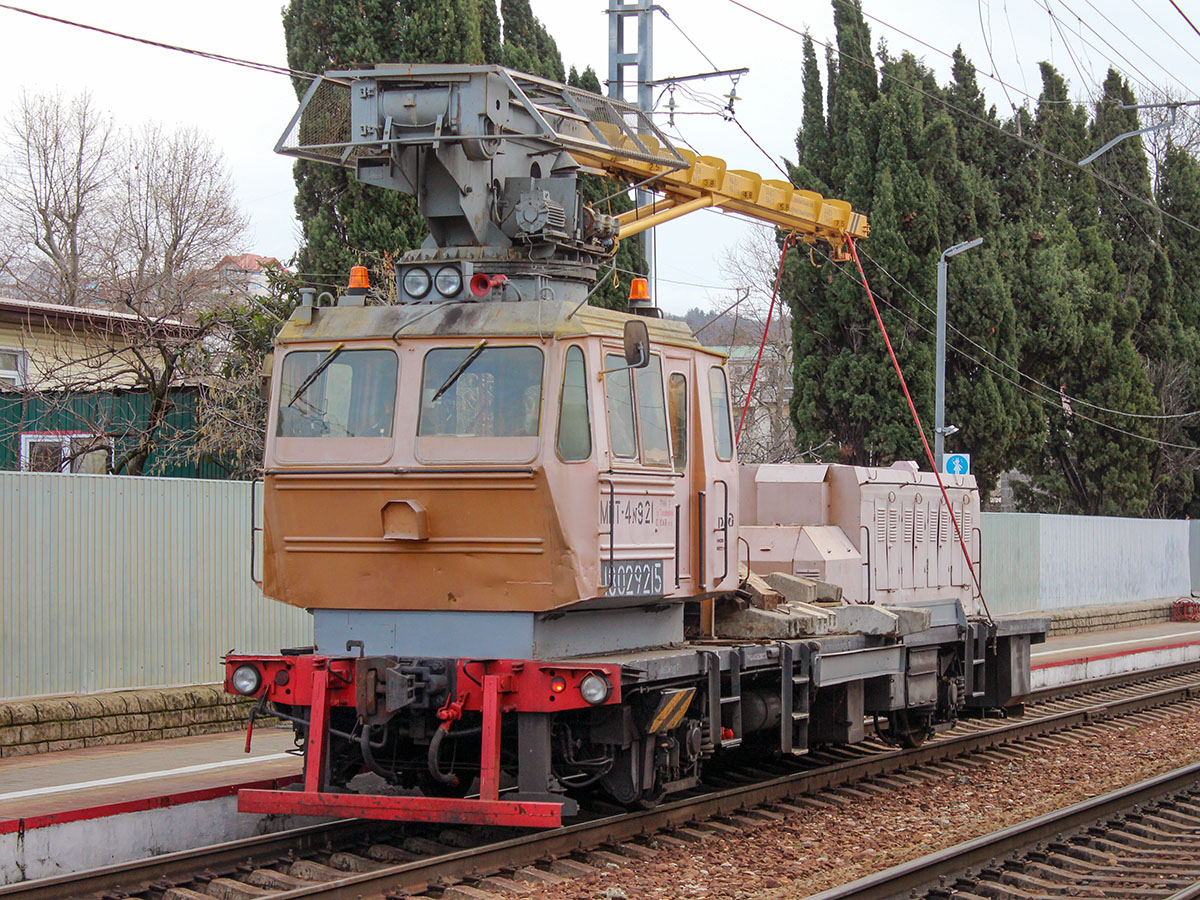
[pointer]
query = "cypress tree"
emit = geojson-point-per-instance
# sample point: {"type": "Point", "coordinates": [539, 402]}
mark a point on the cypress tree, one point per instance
{"type": "Point", "coordinates": [1134, 227]}
{"type": "Point", "coordinates": [1179, 198]}
{"type": "Point", "coordinates": [1177, 473]}
{"type": "Point", "coordinates": [528, 47]}
{"type": "Point", "coordinates": [1086, 467]}
{"type": "Point", "coordinates": [346, 223]}
{"type": "Point", "coordinates": [813, 142]}
{"type": "Point", "coordinates": [901, 157]}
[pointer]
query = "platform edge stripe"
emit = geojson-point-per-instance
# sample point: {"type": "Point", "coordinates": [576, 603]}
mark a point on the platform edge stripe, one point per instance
{"type": "Point", "coordinates": [44, 820]}
{"type": "Point", "coordinates": [1081, 660]}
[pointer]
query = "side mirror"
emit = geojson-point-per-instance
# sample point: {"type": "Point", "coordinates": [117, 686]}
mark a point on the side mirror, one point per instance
{"type": "Point", "coordinates": [264, 384]}
{"type": "Point", "coordinates": [637, 344]}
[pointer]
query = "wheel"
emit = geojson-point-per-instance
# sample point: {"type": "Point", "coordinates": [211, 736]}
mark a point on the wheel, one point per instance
{"type": "Point", "coordinates": [905, 728]}
{"type": "Point", "coordinates": [649, 799]}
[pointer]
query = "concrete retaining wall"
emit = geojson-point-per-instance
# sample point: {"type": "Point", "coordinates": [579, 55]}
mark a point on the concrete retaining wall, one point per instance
{"type": "Point", "coordinates": [118, 717]}
{"type": "Point", "coordinates": [1050, 562]}
{"type": "Point", "coordinates": [1116, 615]}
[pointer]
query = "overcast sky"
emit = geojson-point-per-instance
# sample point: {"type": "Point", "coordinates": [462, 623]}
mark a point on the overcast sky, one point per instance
{"type": "Point", "coordinates": [245, 110]}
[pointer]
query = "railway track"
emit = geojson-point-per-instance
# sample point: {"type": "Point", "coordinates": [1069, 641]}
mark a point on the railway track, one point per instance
{"type": "Point", "coordinates": [1140, 841]}
{"type": "Point", "coordinates": [360, 859]}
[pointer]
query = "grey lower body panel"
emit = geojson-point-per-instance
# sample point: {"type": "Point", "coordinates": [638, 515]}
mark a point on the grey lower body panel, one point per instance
{"type": "Point", "coordinates": [497, 635]}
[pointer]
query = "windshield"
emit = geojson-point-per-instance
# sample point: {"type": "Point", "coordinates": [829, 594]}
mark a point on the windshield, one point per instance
{"type": "Point", "coordinates": [497, 394]}
{"type": "Point", "coordinates": [338, 393]}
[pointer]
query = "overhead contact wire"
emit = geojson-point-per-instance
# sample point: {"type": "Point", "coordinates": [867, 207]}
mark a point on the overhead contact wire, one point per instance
{"type": "Point", "coordinates": [920, 428]}
{"type": "Point", "coordinates": [1032, 144]}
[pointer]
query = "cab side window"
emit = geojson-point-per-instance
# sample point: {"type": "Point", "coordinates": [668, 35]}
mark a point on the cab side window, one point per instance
{"type": "Point", "coordinates": [574, 426]}
{"type": "Point", "coordinates": [677, 415]}
{"type": "Point", "coordinates": [718, 390]}
{"type": "Point", "coordinates": [618, 394]}
{"type": "Point", "coordinates": [652, 414]}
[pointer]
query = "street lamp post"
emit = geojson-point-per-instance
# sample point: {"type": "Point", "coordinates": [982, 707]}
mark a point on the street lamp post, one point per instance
{"type": "Point", "coordinates": [939, 430]}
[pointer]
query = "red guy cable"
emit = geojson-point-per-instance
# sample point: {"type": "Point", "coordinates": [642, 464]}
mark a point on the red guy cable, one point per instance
{"type": "Point", "coordinates": [787, 242]}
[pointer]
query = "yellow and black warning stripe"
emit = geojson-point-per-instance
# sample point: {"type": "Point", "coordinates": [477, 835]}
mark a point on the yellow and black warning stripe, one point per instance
{"type": "Point", "coordinates": [671, 709]}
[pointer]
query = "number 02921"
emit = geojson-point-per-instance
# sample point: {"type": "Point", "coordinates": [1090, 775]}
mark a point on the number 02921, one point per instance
{"type": "Point", "coordinates": [633, 577]}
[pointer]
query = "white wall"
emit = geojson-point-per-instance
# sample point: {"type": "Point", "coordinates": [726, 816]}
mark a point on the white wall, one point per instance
{"type": "Point", "coordinates": [1049, 562]}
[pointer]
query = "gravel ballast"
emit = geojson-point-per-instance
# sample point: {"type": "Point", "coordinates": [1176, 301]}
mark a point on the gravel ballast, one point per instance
{"type": "Point", "coordinates": [846, 834]}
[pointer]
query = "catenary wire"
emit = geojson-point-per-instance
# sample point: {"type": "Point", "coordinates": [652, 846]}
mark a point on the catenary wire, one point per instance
{"type": "Point", "coordinates": [1078, 150]}
{"type": "Point", "coordinates": [203, 54]}
{"type": "Point", "coordinates": [1185, 16]}
{"type": "Point", "coordinates": [1057, 24]}
{"type": "Point", "coordinates": [1009, 365]}
{"type": "Point", "coordinates": [707, 58]}
{"type": "Point", "coordinates": [912, 37]}
{"type": "Point", "coordinates": [987, 43]}
{"type": "Point", "coordinates": [1016, 51]}
{"type": "Point", "coordinates": [1145, 82]}
{"type": "Point", "coordinates": [1145, 52]}
{"type": "Point", "coordinates": [1160, 27]}
{"type": "Point", "coordinates": [1053, 402]}
{"type": "Point", "coordinates": [1028, 142]}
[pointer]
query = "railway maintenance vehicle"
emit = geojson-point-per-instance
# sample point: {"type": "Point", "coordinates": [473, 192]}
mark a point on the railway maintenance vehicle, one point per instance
{"type": "Point", "coordinates": [519, 520]}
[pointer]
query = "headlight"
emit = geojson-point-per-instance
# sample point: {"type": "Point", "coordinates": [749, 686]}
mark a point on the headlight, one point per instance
{"type": "Point", "coordinates": [246, 680]}
{"type": "Point", "coordinates": [417, 283]}
{"type": "Point", "coordinates": [448, 281]}
{"type": "Point", "coordinates": [595, 688]}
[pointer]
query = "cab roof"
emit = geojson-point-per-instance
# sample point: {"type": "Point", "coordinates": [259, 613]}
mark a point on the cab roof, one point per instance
{"type": "Point", "coordinates": [540, 319]}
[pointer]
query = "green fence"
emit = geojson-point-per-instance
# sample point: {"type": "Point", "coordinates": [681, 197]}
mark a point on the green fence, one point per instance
{"type": "Point", "coordinates": [115, 417]}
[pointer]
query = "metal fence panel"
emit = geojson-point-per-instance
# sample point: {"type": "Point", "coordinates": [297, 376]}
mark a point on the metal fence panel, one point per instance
{"type": "Point", "coordinates": [1194, 552]}
{"type": "Point", "coordinates": [112, 582]}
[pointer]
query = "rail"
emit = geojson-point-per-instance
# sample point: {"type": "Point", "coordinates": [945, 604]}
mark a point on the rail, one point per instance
{"type": "Point", "coordinates": [138, 877]}
{"type": "Point", "coordinates": [925, 872]}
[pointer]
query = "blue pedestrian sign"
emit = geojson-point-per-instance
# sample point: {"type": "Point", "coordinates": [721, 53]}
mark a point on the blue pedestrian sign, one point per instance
{"type": "Point", "coordinates": [957, 464]}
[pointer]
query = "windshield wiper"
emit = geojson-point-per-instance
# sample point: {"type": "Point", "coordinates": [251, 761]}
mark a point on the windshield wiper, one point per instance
{"type": "Point", "coordinates": [459, 369]}
{"type": "Point", "coordinates": [315, 373]}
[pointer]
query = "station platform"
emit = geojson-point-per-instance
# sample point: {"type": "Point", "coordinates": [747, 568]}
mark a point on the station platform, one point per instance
{"type": "Point", "coordinates": [60, 811]}
{"type": "Point", "coordinates": [1070, 658]}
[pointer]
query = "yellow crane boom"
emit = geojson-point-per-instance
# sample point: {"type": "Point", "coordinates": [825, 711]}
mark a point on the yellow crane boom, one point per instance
{"type": "Point", "coordinates": [708, 182]}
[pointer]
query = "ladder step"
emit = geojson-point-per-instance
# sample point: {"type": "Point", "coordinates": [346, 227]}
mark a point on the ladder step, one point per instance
{"type": "Point", "coordinates": [799, 679]}
{"type": "Point", "coordinates": [725, 700]}
{"type": "Point", "coordinates": [799, 717]}
{"type": "Point", "coordinates": [560, 111]}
